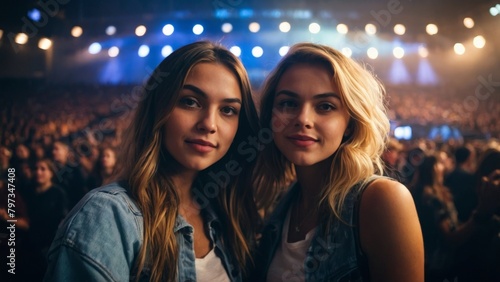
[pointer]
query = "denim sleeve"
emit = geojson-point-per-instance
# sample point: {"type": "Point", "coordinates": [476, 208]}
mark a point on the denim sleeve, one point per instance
{"type": "Point", "coordinates": [98, 241]}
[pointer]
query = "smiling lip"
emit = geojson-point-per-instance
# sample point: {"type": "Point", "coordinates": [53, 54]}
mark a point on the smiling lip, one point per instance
{"type": "Point", "coordinates": [200, 145]}
{"type": "Point", "coordinates": [302, 140]}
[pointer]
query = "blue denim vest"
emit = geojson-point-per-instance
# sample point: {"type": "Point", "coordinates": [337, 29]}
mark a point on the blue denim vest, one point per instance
{"type": "Point", "coordinates": [101, 238]}
{"type": "Point", "coordinates": [334, 255]}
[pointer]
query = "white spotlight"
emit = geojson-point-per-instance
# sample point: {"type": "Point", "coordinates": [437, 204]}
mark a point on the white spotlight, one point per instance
{"type": "Point", "coordinates": [398, 52]}
{"type": "Point", "coordinates": [342, 28]}
{"type": "Point", "coordinates": [140, 30]}
{"type": "Point", "coordinates": [166, 50]}
{"type": "Point", "coordinates": [285, 27]}
{"type": "Point", "coordinates": [227, 27]}
{"type": "Point", "coordinates": [494, 11]}
{"type": "Point", "coordinates": [21, 38]}
{"type": "Point", "coordinates": [314, 28]}
{"type": "Point", "coordinates": [399, 29]}
{"type": "Point", "coordinates": [423, 52]}
{"type": "Point", "coordinates": [113, 51]}
{"type": "Point", "coordinates": [479, 41]}
{"type": "Point", "coordinates": [197, 29]}
{"type": "Point", "coordinates": [254, 27]}
{"type": "Point", "coordinates": [370, 29]}
{"type": "Point", "coordinates": [431, 29]}
{"type": "Point", "coordinates": [143, 51]}
{"type": "Point", "coordinates": [468, 23]}
{"type": "Point", "coordinates": [44, 43]}
{"type": "Point", "coordinates": [110, 30]}
{"type": "Point", "coordinates": [76, 31]}
{"type": "Point", "coordinates": [283, 50]}
{"type": "Point", "coordinates": [347, 51]}
{"type": "Point", "coordinates": [168, 29]}
{"type": "Point", "coordinates": [257, 51]}
{"type": "Point", "coordinates": [235, 50]}
{"type": "Point", "coordinates": [372, 53]}
{"type": "Point", "coordinates": [459, 48]}
{"type": "Point", "coordinates": [95, 48]}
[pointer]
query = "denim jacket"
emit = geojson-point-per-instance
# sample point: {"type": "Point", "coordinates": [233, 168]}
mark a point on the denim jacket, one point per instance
{"type": "Point", "coordinates": [334, 255]}
{"type": "Point", "coordinates": [100, 240]}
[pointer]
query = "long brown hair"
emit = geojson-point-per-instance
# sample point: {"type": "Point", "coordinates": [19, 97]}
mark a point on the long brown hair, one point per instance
{"type": "Point", "coordinates": [146, 164]}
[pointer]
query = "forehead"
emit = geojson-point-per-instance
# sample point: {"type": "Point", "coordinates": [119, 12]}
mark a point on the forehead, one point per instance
{"type": "Point", "coordinates": [304, 78]}
{"type": "Point", "coordinates": [214, 78]}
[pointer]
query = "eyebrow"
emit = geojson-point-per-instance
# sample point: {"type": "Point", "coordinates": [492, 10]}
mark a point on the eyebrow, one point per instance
{"type": "Point", "coordinates": [317, 96]}
{"type": "Point", "coordinates": [202, 94]}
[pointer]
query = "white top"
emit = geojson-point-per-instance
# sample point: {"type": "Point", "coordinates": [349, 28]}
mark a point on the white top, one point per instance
{"type": "Point", "coordinates": [210, 268]}
{"type": "Point", "coordinates": [288, 261]}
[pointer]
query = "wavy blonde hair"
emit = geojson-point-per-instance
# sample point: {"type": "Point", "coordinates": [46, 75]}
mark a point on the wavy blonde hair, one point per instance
{"type": "Point", "coordinates": [358, 157]}
{"type": "Point", "coordinates": [147, 165]}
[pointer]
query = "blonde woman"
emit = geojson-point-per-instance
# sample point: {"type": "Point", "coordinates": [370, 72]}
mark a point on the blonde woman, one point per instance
{"type": "Point", "coordinates": [340, 221]}
{"type": "Point", "coordinates": [184, 210]}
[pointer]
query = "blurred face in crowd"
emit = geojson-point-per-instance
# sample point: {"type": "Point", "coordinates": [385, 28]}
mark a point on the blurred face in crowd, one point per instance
{"type": "Point", "coordinates": [60, 152]}
{"type": "Point", "coordinates": [390, 156]}
{"type": "Point", "coordinates": [22, 152]}
{"type": "Point", "coordinates": [108, 158]}
{"type": "Point", "coordinates": [43, 174]}
{"type": "Point", "coordinates": [316, 119]}
{"type": "Point", "coordinates": [204, 121]}
{"type": "Point", "coordinates": [447, 162]}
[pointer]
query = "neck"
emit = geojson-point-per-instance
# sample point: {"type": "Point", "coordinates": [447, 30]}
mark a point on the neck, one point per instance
{"type": "Point", "coordinates": [40, 188]}
{"type": "Point", "coordinates": [183, 181]}
{"type": "Point", "coordinates": [311, 180]}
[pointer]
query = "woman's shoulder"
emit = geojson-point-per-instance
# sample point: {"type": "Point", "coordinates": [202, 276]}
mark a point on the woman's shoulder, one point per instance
{"type": "Point", "coordinates": [102, 211]}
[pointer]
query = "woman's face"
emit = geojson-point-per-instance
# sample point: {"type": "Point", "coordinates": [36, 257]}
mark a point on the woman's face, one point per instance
{"type": "Point", "coordinates": [204, 121]}
{"type": "Point", "coordinates": [309, 119]}
{"type": "Point", "coordinates": [108, 158]}
{"type": "Point", "coordinates": [43, 174]}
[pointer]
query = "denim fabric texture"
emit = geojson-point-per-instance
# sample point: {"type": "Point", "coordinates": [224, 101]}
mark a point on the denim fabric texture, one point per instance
{"type": "Point", "coordinates": [101, 237]}
{"type": "Point", "coordinates": [334, 254]}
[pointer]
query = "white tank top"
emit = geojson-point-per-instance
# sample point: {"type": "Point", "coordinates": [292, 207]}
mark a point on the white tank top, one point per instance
{"type": "Point", "coordinates": [210, 268]}
{"type": "Point", "coordinates": [288, 261]}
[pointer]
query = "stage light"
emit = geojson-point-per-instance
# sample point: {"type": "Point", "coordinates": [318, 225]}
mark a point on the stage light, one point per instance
{"type": "Point", "coordinates": [372, 53]}
{"type": "Point", "coordinates": [140, 30]}
{"type": "Point", "coordinates": [370, 29]}
{"type": "Point", "coordinates": [431, 29]}
{"type": "Point", "coordinates": [347, 52]}
{"type": "Point", "coordinates": [254, 27]}
{"type": "Point", "coordinates": [44, 43]}
{"type": "Point", "coordinates": [423, 52]}
{"type": "Point", "coordinates": [257, 51]}
{"type": "Point", "coordinates": [398, 52]}
{"type": "Point", "coordinates": [459, 48]}
{"type": "Point", "coordinates": [34, 14]}
{"type": "Point", "coordinates": [113, 51]}
{"type": "Point", "coordinates": [227, 27]}
{"type": "Point", "coordinates": [143, 51]}
{"type": "Point", "coordinates": [166, 50]}
{"type": "Point", "coordinates": [197, 29]}
{"type": "Point", "coordinates": [494, 11]}
{"type": "Point", "coordinates": [110, 30]}
{"type": "Point", "coordinates": [314, 28]}
{"type": "Point", "coordinates": [168, 29]}
{"type": "Point", "coordinates": [235, 50]}
{"type": "Point", "coordinates": [21, 38]}
{"type": "Point", "coordinates": [479, 42]}
{"type": "Point", "coordinates": [285, 27]}
{"type": "Point", "coordinates": [342, 28]}
{"type": "Point", "coordinates": [95, 48]}
{"type": "Point", "coordinates": [399, 29]}
{"type": "Point", "coordinates": [469, 23]}
{"type": "Point", "coordinates": [1, 34]}
{"type": "Point", "coordinates": [76, 31]}
{"type": "Point", "coordinates": [283, 50]}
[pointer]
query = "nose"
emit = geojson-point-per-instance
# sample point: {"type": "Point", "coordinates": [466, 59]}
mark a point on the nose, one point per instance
{"type": "Point", "coordinates": [304, 117]}
{"type": "Point", "coordinates": [207, 122]}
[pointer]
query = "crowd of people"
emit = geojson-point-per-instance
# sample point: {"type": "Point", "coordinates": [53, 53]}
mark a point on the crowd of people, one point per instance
{"type": "Point", "coordinates": [64, 141]}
